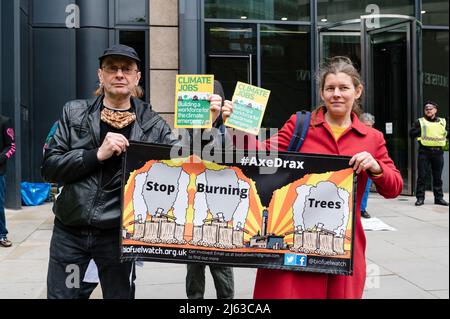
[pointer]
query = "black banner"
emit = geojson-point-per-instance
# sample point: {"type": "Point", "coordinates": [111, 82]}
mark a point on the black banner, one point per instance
{"type": "Point", "coordinates": [281, 211]}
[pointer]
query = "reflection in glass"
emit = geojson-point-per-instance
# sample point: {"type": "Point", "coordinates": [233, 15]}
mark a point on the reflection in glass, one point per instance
{"type": "Point", "coordinates": [231, 54]}
{"type": "Point", "coordinates": [284, 10]}
{"type": "Point", "coordinates": [132, 11]}
{"type": "Point", "coordinates": [335, 11]}
{"type": "Point", "coordinates": [435, 12]}
{"type": "Point", "coordinates": [230, 38]}
{"type": "Point", "coordinates": [338, 44]}
{"type": "Point", "coordinates": [228, 70]}
{"type": "Point", "coordinates": [285, 70]}
{"type": "Point", "coordinates": [435, 68]}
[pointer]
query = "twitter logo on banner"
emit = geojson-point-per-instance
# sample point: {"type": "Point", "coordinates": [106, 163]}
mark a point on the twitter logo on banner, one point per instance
{"type": "Point", "coordinates": [290, 260]}
{"type": "Point", "coordinates": [295, 260]}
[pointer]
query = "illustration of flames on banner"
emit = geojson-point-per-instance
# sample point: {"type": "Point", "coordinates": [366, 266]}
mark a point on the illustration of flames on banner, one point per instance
{"type": "Point", "coordinates": [194, 207]}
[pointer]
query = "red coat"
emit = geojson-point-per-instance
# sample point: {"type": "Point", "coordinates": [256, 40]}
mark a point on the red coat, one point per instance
{"type": "Point", "coordinates": [274, 284]}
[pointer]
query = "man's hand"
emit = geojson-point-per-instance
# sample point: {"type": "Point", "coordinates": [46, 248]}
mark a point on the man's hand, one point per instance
{"type": "Point", "coordinates": [365, 162]}
{"type": "Point", "coordinates": [216, 104]}
{"type": "Point", "coordinates": [113, 144]}
{"type": "Point", "coordinates": [227, 109]}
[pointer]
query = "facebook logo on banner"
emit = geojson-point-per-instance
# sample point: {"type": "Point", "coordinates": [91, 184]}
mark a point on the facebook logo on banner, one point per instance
{"type": "Point", "coordinates": [295, 260]}
{"type": "Point", "coordinates": [302, 260]}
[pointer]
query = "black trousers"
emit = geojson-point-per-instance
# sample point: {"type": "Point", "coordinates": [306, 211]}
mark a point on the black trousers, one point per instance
{"type": "Point", "coordinates": [436, 160]}
{"type": "Point", "coordinates": [70, 252]}
{"type": "Point", "coordinates": [223, 281]}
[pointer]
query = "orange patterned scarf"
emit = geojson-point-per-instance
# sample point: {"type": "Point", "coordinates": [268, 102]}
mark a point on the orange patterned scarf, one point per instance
{"type": "Point", "coordinates": [117, 119]}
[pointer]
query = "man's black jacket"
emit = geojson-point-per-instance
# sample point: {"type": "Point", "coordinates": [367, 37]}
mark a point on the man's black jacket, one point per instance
{"type": "Point", "coordinates": [71, 160]}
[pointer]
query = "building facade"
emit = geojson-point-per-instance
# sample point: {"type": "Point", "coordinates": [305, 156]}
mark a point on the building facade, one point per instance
{"type": "Point", "coordinates": [50, 49]}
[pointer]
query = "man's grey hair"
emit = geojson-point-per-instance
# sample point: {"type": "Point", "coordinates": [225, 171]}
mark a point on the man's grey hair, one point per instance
{"type": "Point", "coordinates": [367, 117]}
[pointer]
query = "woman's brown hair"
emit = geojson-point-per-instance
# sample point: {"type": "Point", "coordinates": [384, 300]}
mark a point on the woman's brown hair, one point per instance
{"type": "Point", "coordinates": [335, 65]}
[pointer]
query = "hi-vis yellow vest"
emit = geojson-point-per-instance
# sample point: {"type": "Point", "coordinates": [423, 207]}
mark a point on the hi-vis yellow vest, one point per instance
{"type": "Point", "coordinates": [433, 133]}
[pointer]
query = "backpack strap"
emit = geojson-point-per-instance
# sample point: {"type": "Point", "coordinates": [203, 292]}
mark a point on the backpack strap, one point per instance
{"type": "Point", "coordinates": [301, 128]}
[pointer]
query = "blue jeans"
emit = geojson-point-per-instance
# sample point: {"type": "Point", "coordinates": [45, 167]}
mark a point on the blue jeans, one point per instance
{"type": "Point", "coordinates": [3, 230]}
{"type": "Point", "coordinates": [366, 195]}
{"type": "Point", "coordinates": [71, 249]}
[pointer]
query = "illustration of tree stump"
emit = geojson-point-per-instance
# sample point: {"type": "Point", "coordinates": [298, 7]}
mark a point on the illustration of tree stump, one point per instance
{"type": "Point", "coordinates": [238, 238]}
{"type": "Point", "coordinates": [151, 232]}
{"type": "Point", "coordinates": [325, 245]}
{"type": "Point", "coordinates": [139, 229]}
{"type": "Point", "coordinates": [225, 238]}
{"type": "Point", "coordinates": [167, 233]}
{"type": "Point", "coordinates": [179, 234]}
{"type": "Point", "coordinates": [197, 236]}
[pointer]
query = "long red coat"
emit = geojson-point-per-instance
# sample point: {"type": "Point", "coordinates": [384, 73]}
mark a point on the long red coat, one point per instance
{"type": "Point", "coordinates": [277, 284]}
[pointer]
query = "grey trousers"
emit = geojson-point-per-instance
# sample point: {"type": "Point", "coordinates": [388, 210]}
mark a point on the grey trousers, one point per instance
{"type": "Point", "coordinates": [223, 281]}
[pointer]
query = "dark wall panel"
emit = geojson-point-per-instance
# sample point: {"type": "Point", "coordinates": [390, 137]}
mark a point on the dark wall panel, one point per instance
{"type": "Point", "coordinates": [90, 45]}
{"type": "Point", "coordinates": [95, 13]}
{"type": "Point", "coordinates": [50, 12]}
{"type": "Point", "coordinates": [54, 81]}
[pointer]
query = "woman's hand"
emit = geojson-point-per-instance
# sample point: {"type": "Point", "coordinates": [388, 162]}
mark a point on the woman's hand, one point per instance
{"type": "Point", "coordinates": [364, 161]}
{"type": "Point", "coordinates": [216, 103]}
{"type": "Point", "coordinates": [227, 109]}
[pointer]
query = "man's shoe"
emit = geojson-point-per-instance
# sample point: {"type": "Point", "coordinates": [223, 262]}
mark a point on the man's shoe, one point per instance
{"type": "Point", "coordinates": [419, 202]}
{"type": "Point", "coordinates": [440, 202]}
{"type": "Point", "coordinates": [365, 214]}
{"type": "Point", "coordinates": [5, 242]}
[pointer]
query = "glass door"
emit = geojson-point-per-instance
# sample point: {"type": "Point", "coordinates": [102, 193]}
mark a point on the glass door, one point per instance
{"type": "Point", "coordinates": [390, 71]}
{"type": "Point", "coordinates": [341, 39]}
{"type": "Point", "coordinates": [229, 68]}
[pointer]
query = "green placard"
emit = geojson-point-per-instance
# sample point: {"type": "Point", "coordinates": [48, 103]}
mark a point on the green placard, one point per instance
{"type": "Point", "coordinates": [249, 105]}
{"type": "Point", "coordinates": [192, 101]}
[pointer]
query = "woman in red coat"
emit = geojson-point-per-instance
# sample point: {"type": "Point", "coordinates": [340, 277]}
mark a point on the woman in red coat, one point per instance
{"type": "Point", "coordinates": [334, 129]}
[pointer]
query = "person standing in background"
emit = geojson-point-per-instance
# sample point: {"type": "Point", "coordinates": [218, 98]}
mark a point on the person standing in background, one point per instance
{"type": "Point", "coordinates": [7, 149]}
{"type": "Point", "coordinates": [369, 121]}
{"type": "Point", "coordinates": [431, 132]}
{"type": "Point", "coordinates": [223, 276]}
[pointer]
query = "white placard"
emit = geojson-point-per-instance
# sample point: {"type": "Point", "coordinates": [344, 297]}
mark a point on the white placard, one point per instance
{"type": "Point", "coordinates": [389, 128]}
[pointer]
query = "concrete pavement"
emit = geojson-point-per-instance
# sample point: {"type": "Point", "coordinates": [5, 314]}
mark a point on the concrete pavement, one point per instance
{"type": "Point", "coordinates": [412, 262]}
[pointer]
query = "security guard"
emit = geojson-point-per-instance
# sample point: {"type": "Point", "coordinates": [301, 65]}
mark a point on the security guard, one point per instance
{"type": "Point", "coordinates": [431, 132]}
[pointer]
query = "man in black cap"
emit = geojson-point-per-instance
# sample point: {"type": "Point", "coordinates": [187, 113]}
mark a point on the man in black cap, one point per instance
{"type": "Point", "coordinates": [85, 154]}
{"type": "Point", "coordinates": [431, 132]}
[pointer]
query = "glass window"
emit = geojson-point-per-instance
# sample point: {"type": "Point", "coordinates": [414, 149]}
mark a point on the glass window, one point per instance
{"type": "Point", "coordinates": [231, 54]}
{"type": "Point", "coordinates": [285, 70]}
{"type": "Point", "coordinates": [435, 69]}
{"type": "Point", "coordinates": [230, 38]}
{"type": "Point", "coordinates": [342, 44]}
{"type": "Point", "coordinates": [329, 11]}
{"type": "Point", "coordinates": [132, 11]}
{"type": "Point", "coordinates": [435, 12]}
{"type": "Point", "coordinates": [284, 10]}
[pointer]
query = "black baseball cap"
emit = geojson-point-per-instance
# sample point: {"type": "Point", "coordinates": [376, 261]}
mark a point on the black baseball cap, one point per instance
{"type": "Point", "coordinates": [120, 50]}
{"type": "Point", "coordinates": [431, 103]}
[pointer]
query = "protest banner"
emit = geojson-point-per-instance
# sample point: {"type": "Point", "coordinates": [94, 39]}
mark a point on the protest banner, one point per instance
{"type": "Point", "coordinates": [188, 210]}
{"type": "Point", "coordinates": [192, 101]}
